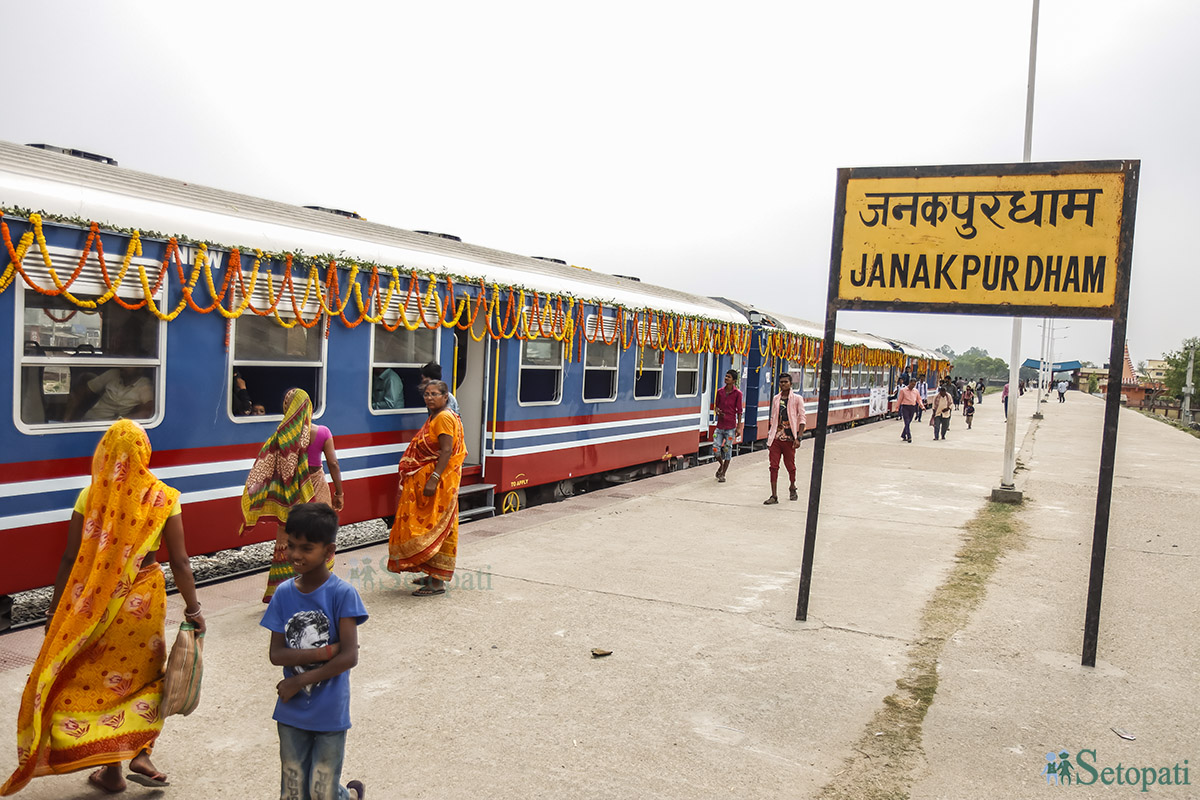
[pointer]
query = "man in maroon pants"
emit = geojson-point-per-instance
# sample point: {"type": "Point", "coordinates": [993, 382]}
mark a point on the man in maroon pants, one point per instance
{"type": "Point", "coordinates": [783, 437]}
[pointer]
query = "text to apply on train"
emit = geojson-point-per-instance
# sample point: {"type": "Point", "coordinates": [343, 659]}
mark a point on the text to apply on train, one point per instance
{"type": "Point", "coordinates": [1040, 238]}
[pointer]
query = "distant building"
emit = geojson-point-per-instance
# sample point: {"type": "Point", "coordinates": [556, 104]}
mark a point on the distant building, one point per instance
{"type": "Point", "coordinates": [1135, 392]}
{"type": "Point", "coordinates": [1156, 370]}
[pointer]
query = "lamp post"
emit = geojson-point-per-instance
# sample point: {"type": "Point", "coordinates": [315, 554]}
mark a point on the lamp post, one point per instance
{"type": "Point", "coordinates": [1008, 493]}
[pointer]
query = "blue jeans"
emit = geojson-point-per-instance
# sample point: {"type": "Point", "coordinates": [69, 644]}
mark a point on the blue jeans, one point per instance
{"type": "Point", "coordinates": [723, 442]}
{"type": "Point", "coordinates": [312, 764]}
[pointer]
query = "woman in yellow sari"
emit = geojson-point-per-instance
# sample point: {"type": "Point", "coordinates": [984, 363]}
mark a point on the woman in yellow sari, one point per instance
{"type": "Point", "coordinates": [92, 698]}
{"type": "Point", "coordinates": [425, 533]}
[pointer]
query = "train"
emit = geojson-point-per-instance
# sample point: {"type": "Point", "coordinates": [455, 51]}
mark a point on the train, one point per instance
{"type": "Point", "coordinates": [188, 299]}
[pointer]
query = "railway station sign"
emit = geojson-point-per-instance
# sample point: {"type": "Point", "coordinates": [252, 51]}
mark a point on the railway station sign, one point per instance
{"type": "Point", "coordinates": [1030, 239]}
{"type": "Point", "coordinates": [1051, 239]}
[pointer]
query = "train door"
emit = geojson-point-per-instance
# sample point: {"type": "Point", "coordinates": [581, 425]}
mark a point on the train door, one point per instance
{"type": "Point", "coordinates": [470, 382]}
{"type": "Point", "coordinates": [708, 366]}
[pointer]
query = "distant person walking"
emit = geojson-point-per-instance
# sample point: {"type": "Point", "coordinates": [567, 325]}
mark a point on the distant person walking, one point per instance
{"type": "Point", "coordinates": [783, 436]}
{"type": "Point", "coordinates": [923, 390]}
{"type": "Point", "coordinates": [908, 401]}
{"type": "Point", "coordinates": [980, 388]}
{"type": "Point", "coordinates": [1004, 399]}
{"type": "Point", "coordinates": [1062, 391]}
{"type": "Point", "coordinates": [729, 422]}
{"type": "Point", "coordinates": [943, 407]}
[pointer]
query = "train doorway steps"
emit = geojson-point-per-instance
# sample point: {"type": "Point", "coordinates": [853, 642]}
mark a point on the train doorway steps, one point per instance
{"type": "Point", "coordinates": [477, 501]}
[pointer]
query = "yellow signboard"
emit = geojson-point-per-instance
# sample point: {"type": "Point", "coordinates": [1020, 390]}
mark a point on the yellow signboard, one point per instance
{"type": "Point", "coordinates": [1035, 239]}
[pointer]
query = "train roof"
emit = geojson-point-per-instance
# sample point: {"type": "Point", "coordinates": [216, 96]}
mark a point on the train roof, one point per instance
{"type": "Point", "coordinates": [110, 195]}
{"type": "Point", "coordinates": [845, 336]}
{"type": "Point", "coordinates": [910, 349]}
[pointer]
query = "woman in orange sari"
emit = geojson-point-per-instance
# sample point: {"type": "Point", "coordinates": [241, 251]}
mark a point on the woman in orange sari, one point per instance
{"type": "Point", "coordinates": [92, 698]}
{"type": "Point", "coordinates": [425, 533]}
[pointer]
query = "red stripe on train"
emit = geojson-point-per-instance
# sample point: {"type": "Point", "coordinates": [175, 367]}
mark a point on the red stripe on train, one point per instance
{"type": "Point", "coordinates": [72, 467]}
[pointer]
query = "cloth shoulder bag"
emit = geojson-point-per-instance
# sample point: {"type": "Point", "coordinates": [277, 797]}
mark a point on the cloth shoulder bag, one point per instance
{"type": "Point", "coordinates": [185, 668]}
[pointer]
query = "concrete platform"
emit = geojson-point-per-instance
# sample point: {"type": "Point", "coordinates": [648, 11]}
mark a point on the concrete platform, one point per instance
{"type": "Point", "coordinates": [713, 688]}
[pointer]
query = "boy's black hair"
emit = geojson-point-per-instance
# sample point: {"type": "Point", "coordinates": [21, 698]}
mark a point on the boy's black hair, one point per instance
{"type": "Point", "coordinates": [432, 370]}
{"type": "Point", "coordinates": [316, 522]}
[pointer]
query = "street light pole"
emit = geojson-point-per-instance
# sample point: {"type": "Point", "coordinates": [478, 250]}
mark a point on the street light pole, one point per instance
{"type": "Point", "coordinates": [1188, 388]}
{"type": "Point", "coordinates": [1041, 383]}
{"type": "Point", "coordinates": [1007, 493]}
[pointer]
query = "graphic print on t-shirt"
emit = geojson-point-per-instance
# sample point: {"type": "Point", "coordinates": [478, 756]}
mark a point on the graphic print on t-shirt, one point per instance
{"type": "Point", "coordinates": [306, 630]}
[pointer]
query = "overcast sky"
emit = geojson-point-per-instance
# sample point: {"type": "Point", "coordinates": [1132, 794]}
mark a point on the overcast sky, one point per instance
{"type": "Point", "coordinates": [692, 144]}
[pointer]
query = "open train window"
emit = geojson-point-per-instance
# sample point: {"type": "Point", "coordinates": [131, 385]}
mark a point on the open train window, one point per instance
{"type": "Point", "coordinates": [649, 368]}
{"type": "Point", "coordinates": [540, 381]}
{"type": "Point", "coordinates": [687, 374]}
{"type": "Point", "coordinates": [600, 361]}
{"type": "Point", "coordinates": [272, 359]}
{"type": "Point", "coordinates": [85, 367]}
{"type": "Point", "coordinates": [396, 360]}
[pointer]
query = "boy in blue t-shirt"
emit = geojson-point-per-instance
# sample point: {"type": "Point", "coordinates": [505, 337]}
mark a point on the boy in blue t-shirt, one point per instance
{"type": "Point", "coordinates": [314, 621]}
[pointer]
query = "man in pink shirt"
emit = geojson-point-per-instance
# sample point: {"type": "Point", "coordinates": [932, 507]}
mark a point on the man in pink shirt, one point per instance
{"type": "Point", "coordinates": [783, 437]}
{"type": "Point", "coordinates": [729, 421]}
{"type": "Point", "coordinates": [908, 400]}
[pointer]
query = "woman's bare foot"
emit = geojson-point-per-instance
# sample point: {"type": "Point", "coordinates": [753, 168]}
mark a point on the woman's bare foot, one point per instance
{"type": "Point", "coordinates": [108, 779]}
{"type": "Point", "coordinates": [141, 765]}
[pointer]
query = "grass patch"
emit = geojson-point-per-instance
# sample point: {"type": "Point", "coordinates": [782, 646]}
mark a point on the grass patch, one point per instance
{"type": "Point", "coordinates": [889, 751]}
{"type": "Point", "coordinates": [1174, 423]}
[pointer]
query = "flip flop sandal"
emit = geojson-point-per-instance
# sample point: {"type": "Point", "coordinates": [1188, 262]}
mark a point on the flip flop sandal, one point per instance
{"type": "Point", "coordinates": [426, 591]}
{"type": "Point", "coordinates": [771, 501]}
{"type": "Point", "coordinates": [148, 780]}
{"type": "Point", "coordinates": [358, 788]}
{"type": "Point", "coordinates": [793, 494]}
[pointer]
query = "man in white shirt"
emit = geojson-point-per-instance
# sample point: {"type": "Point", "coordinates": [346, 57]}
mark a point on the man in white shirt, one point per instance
{"type": "Point", "coordinates": [123, 392]}
{"type": "Point", "coordinates": [1062, 391]}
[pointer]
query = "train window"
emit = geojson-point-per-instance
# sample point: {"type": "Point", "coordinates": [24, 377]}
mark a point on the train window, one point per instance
{"type": "Point", "coordinates": [648, 383]}
{"type": "Point", "coordinates": [88, 365]}
{"type": "Point", "coordinates": [797, 373]}
{"type": "Point", "coordinates": [810, 380]}
{"type": "Point", "coordinates": [396, 360]}
{"type": "Point", "coordinates": [687, 374]}
{"type": "Point", "coordinates": [600, 363]}
{"type": "Point", "coordinates": [272, 359]}
{"type": "Point", "coordinates": [540, 381]}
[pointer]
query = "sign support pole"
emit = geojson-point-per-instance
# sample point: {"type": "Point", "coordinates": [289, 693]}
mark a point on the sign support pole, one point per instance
{"type": "Point", "coordinates": [819, 435]}
{"type": "Point", "coordinates": [1108, 447]}
{"type": "Point", "coordinates": [818, 464]}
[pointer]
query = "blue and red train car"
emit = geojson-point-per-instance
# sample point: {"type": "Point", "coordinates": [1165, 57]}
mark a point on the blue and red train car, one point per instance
{"type": "Point", "coordinates": [171, 293]}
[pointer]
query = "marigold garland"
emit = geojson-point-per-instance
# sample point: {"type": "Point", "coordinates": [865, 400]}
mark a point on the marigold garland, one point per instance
{"type": "Point", "coordinates": [560, 317]}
